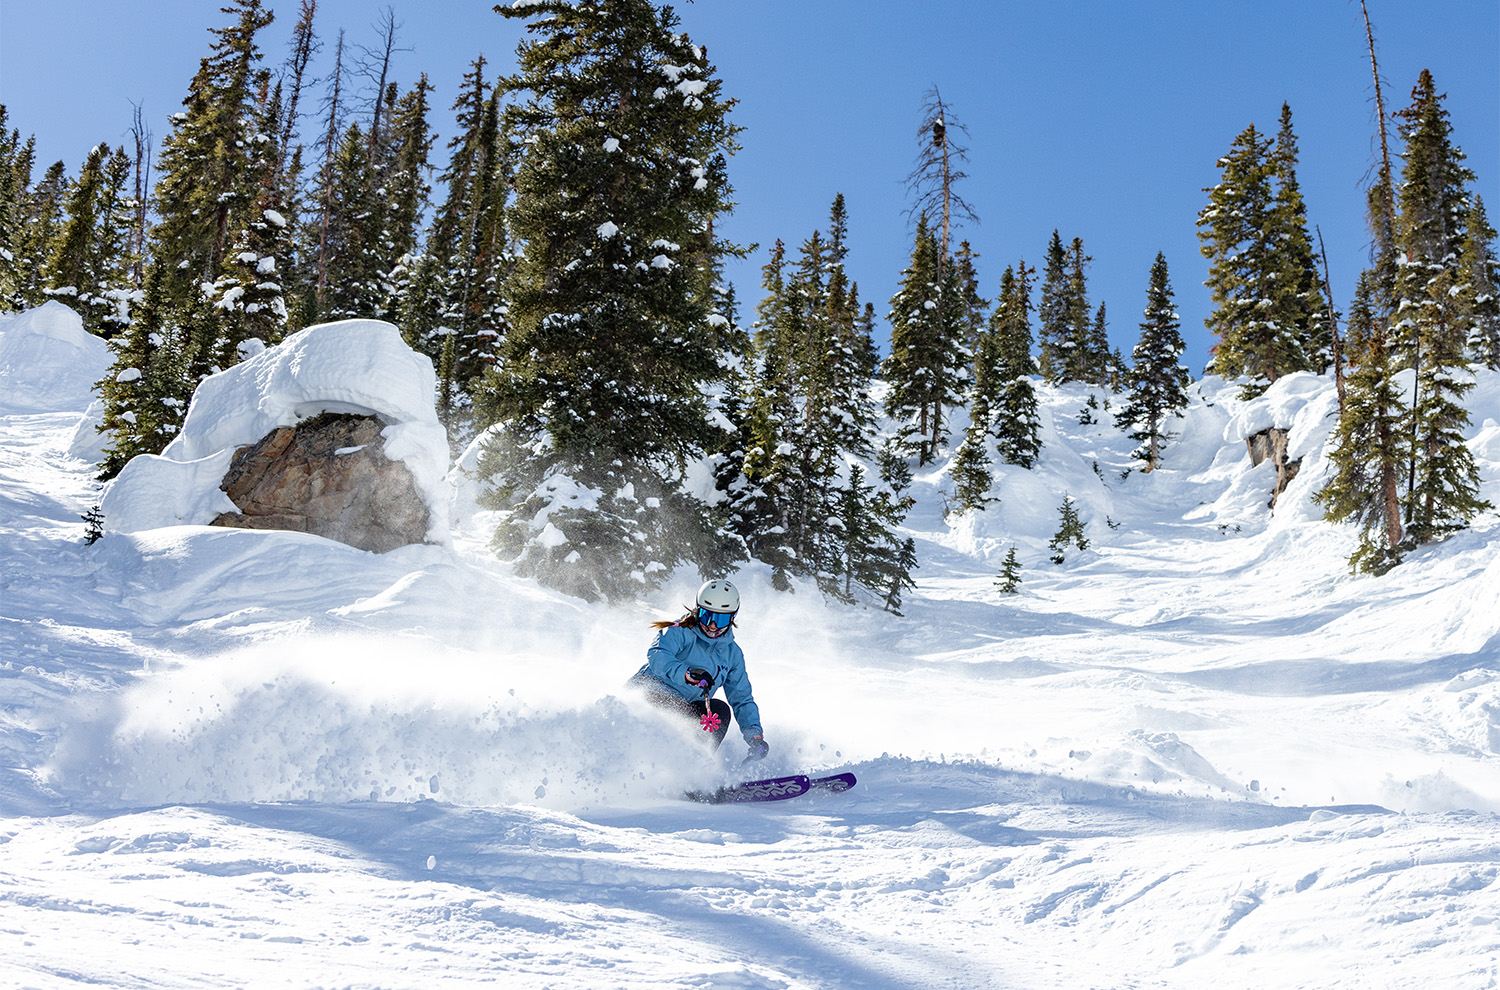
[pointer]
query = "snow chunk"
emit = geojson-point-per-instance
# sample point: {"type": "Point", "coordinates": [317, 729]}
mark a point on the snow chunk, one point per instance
{"type": "Point", "coordinates": [128, 375]}
{"type": "Point", "coordinates": [274, 218]}
{"type": "Point", "coordinates": [48, 361]}
{"type": "Point", "coordinates": [607, 229]}
{"type": "Point", "coordinates": [354, 366]}
{"type": "Point", "coordinates": [612, 144]}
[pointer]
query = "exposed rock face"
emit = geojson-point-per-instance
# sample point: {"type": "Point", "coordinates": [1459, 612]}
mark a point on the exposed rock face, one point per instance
{"type": "Point", "coordinates": [328, 476]}
{"type": "Point", "coordinates": [1271, 445]}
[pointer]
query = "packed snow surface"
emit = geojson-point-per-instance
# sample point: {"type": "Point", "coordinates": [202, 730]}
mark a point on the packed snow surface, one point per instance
{"type": "Point", "coordinates": [1199, 753]}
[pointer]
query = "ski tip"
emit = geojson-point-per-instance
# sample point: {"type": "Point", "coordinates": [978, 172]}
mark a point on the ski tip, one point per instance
{"type": "Point", "coordinates": [834, 783]}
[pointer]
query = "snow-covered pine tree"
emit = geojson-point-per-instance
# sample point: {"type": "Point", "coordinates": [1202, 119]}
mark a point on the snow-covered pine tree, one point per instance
{"type": "Point", "coordinates": [147, 387]}
{"type": "Point", "coordinates": [249, 292]}
{"type": "Point", "coordinates": [407, 189]}
{"type": "Point", "coordinates": [925, 367]}
{"type": "Point", "coordinates": [1079, 361]}
{"type": "Point", "coordinates": [206, 196]}
{"type": "Point", "coordinates": [1299, 297]}
{"type": "Point", "coordinates": [1157, 382]}
{"type": "Point", "coordinates": [1479, 287]}
{"type": "Point", "coordinates": [971, 468]}
{"type": "Point", "coordinates": [15, 176]}
{"type": "Point", "coordinates": [1443, 484]}
{"type": "Point", "coordinates": [1052, 312]}
{"type": "Point", "coordinates": [625, 137]}
{"type": "Point", "coordinates": [88, 265]}
{"type": "Point", "coordinates": [1241, 231]}
{"type": "Point", "coordinates": [470, 241]}
{"type": "Point", "coordinates": [1370, 448]}
{"type": "Point", "coordinates": [36, 240]}
{"type": "Point", "coordinates": [1016, 425]}
{"type": "Point", "coordinates": [972, 308]}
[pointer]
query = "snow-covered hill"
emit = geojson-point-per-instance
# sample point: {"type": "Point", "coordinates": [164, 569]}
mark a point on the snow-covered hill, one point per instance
{"type": "Point", "coordinates": [1198, 753]}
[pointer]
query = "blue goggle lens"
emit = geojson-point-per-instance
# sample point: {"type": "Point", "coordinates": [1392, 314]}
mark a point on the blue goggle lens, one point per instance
{"type": "Point", "coordinates": [720, 619]}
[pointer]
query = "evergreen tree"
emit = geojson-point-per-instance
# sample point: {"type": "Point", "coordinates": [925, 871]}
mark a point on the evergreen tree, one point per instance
{"type": "Point", "coordinates": [925, 366]}
{"type": "Point", "coordinates": [1069, 530]}
{"type": "Point", "coordinates": [1009, 579]}
{"type": "Point", "coordinates": [801, 503]}
{"type": "Point", "coordinates": [1243, 229]}
{"type": "Point", "coordinates": [1016, 424]}
{"type": "Point", "coordinates": [15, 176]}
{"type": "Point", "coordinates": [1479, 287]}
{"type": "Point", "coordinates": [1299, 297]}
{"type": "Point", "coordinates": [470, 241]}
{"type": "Point", "coordinates": [1076, 352]}
{"type": "Point", "coordinates": [972, 477]}
{"type": "Point", "coordinates": [1099, 355]}
{"type": "Point", "coordinates": [210, 194]}
{"type": "Point", "coordinates": [972, 308]}
{"type": "Point", "coordinates": [1371, 445]}
{"type": "Point", "coordinates": [613, 338]}
{"type": "Point", "coordinates": [146, 390]}
{"type": "Point", "coordinates": [1443, 483]}
{"type": "Point", "coordinates": [89, 262]}
{"type": "Point", "coordinates": [36, 239]}
{"type": "Point", "coordinates": [1157, 382]}
{"type": "Point", "coordinates": [249, 291]}
{"type": "Point", "coordinates": [1053, 312]}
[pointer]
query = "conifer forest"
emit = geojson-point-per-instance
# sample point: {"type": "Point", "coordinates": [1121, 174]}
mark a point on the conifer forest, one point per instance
{"type": "Point", "coordinates": [558, 262]}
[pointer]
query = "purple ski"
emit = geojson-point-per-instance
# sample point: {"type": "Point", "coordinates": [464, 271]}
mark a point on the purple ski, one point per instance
{"type": "Point", "coordinates": [770, 789]}
{"type": "Point", "coordinates": [775, 789]}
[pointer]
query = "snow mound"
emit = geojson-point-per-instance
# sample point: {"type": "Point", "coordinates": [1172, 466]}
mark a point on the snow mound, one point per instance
{"type": "Point", "coordinates": [48, 361]}
{"type": "Point", "coordinates": [353, 366]}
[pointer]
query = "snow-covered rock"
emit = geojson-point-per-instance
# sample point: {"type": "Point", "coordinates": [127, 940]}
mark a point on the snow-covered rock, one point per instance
{"type": "Point", "coordinates": [353, 366]}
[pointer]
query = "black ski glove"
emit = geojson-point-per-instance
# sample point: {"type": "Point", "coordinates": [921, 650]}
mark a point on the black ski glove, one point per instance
{"type": "Point", "coordinates": [697, 676]}
{"type": "Point", "coordinates": [758, 748]}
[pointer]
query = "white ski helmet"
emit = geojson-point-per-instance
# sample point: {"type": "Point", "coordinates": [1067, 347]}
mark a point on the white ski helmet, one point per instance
{"type": "Point", "coordinates": [719, 596]}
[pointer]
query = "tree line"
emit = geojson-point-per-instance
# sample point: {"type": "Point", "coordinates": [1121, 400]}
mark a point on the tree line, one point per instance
{"type": "Point", "coordinates": [564, 273]}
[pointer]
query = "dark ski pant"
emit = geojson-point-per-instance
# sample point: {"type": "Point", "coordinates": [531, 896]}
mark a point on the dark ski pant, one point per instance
{"type": "Point", "coordinates": [662, 696]}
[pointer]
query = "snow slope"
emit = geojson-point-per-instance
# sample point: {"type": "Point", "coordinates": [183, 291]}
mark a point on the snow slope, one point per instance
{"type": "Point", "coordinates": [1199, 752]}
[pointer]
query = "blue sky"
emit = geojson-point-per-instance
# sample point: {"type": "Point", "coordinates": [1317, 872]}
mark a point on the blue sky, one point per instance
{"type": "Point", "coordinates": [1100, 119]}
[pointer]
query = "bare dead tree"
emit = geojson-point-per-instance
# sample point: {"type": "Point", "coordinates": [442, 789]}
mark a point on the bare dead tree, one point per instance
{"type": "Point", "coordinates": [374, 65]}
{"type": "Point", "coordinates": [334, 109]}
{"type": "Point", "coordinates": [1333, 325]}
{"type": "Point", "coordinates": [1392, 501]}
{"type": "Point", "coordinates": [939, 159]}
{"type": "Point", "coordinates": [1387, 177]}
{"type": "Point", "coordinates": [304, 45]}
{"type": "Point", "coordinates": [140, 133]}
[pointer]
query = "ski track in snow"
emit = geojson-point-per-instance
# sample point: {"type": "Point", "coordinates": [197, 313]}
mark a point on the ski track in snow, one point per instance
{"type": "Point", "coordinates": [1189, 756]}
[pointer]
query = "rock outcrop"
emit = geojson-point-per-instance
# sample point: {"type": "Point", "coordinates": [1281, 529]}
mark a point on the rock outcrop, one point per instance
{"type": "Point", "coordinates": [1270, 444]}
{"type": "Point", "coordinates": [329, 476]}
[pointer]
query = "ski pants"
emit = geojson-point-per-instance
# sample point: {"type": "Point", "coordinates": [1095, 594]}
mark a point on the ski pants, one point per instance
{"type": "Point", "coordinates": [662, 696]}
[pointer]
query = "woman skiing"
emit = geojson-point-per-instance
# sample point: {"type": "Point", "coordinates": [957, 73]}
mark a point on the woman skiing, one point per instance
{"type": "Point", "coordinates": [691, 658]}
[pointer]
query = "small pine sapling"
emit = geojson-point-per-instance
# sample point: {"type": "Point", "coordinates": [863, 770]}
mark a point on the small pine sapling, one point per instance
{"type": "Point", "coordinates": [1009, 581]}
{"type": "Point", "coordinates": [93, 525]}
{"type": "Point", "coordinates": [1069, 530]}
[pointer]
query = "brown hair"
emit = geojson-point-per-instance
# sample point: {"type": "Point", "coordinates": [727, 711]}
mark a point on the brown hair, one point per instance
{"type": "Point", "coordinates": [687, 621]}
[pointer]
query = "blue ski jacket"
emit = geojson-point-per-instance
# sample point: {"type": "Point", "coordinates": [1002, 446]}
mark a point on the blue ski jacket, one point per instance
{"type": "Point", "coordinates": [677, 648]}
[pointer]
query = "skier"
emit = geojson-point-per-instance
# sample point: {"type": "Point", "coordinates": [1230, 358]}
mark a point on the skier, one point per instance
{"type": "Point", "coordinates": [691, 658]}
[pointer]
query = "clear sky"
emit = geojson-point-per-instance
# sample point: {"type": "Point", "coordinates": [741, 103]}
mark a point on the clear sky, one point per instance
{"type": "Point", "coordinates": [1100, 118]}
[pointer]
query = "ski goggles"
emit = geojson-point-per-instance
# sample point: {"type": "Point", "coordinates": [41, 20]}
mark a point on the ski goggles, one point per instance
{"type": "Point", "coordinates": [719, 620]}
